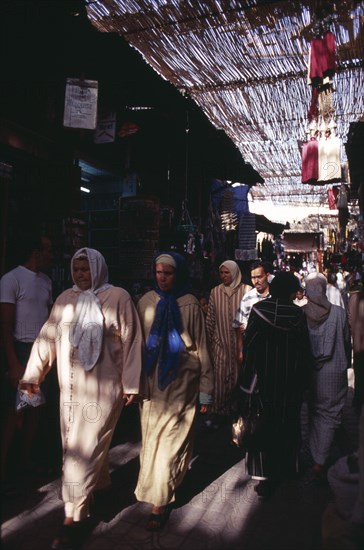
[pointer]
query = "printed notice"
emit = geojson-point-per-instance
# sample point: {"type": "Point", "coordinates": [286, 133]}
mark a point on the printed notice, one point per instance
{"type": "Point", "coordinates": [80, 108]}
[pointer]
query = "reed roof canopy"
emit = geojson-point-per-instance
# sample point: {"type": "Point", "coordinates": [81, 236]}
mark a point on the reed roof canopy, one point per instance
{"type": "Point", "coordinates": [244, 63]}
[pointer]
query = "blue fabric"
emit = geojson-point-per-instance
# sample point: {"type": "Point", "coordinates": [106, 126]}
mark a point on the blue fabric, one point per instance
{"type": "Point", "coordinates": [239, 196]}
{"type": "Point", "coordinates": [165, 345]}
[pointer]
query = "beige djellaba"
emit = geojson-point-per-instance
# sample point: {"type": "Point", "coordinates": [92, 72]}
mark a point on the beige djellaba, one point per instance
{"type": "Point", "coordinates": [168, 416]}
{"type": "Point", "coordinates": [90, 401]}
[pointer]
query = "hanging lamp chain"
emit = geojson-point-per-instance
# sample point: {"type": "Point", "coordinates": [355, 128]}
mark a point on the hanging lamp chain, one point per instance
{"type": "Point", "coordinates": [186, 221]}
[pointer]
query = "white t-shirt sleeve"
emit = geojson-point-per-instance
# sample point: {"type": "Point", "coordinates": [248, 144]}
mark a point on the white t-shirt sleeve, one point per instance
{"type": "Point", "coordinates": [8, 289]}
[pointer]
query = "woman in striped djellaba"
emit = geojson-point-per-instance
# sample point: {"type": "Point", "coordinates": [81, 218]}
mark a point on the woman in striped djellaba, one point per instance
{"type": "Point", "coordinates": [223, 304]}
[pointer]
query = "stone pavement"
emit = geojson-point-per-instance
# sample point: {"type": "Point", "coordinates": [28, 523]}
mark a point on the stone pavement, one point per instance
{"type": "Point", "coordinates": [216, 508]}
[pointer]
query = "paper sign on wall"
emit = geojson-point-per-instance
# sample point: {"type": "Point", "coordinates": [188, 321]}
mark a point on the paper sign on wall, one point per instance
{"type": "Point", "coordinates": [80, 108]}
{"type": "Point", "coordinates": [105, 129]}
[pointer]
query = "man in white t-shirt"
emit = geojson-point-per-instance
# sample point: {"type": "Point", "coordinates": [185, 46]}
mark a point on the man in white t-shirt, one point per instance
{"type": "Point", "coordinates": [332, 292]}
{"type": "Point", "coordinates": [25, 302]}
{"type": "Point", "coordinates": [260, 281]}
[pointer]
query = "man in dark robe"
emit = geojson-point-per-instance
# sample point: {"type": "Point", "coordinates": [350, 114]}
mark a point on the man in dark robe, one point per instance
{"type": "Point", "coordinates": [276, 350]}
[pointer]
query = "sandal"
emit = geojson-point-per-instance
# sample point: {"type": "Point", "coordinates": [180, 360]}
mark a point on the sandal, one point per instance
{"type": "Point", "coordinates": [156, 522]}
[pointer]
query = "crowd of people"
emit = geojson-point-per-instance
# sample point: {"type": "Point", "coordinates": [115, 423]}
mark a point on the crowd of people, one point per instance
{"type": "Point", "coordinates": [271, 338]}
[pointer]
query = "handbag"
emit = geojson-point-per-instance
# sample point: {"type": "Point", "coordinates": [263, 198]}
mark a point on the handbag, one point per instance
{"type": "Point", "coordinates": [248, 422]}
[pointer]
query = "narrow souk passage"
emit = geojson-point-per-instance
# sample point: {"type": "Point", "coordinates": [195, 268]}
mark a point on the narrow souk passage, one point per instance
{"type": "Point", "coordinates": [217, 507]}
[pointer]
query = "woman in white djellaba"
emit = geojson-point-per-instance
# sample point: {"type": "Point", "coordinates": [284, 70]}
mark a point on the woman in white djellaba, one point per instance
{"type": "Point", "coordinates": [94, 334]}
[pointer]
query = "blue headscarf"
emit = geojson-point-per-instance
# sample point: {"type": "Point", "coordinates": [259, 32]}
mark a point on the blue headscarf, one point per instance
{"type": "Point", "coordinates": [164, 344]}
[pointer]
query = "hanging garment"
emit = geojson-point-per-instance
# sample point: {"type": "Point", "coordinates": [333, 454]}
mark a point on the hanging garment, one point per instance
{"type": "Point", "coordinates": [329, 165]}
{"type": "Point", "coordinates": [322, 61]}
{"type": "Point", "coordinates": [315, 60]}
{"type": "Point", "coordinates": [310, 161]}
{"type": "Point", "coordinates": [313, 112]}
{"type": "Point", "coordinates": [329, 67]}
{"type": "Point", "coordinates": [247, 237]}
{"type": "Point", "coordinates": [326, 109]}
{"type": "Point", "coordinates": [229, 218]}
{"type": "Point", "coordinates": [332, 194]}
{"type": "Point", "coordinates": [267, 250]}
{"type": "Point", "coordinates": [241, 203]}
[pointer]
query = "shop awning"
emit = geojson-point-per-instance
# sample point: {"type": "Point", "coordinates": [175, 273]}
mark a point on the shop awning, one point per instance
{"type": "Point", "coordinates": [266, 226]}
{"type": "Point", "coordinates": [301, 242]}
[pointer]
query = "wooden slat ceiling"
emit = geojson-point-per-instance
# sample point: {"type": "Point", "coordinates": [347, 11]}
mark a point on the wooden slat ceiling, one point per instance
{"type": "Point", "coordinates": [244, 63]}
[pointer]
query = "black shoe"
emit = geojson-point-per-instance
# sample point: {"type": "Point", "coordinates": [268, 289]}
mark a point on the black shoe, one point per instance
{"type": "Point", "coordinates": [264, 489]}
{"type": "Point", "coordinates": [68, 537]}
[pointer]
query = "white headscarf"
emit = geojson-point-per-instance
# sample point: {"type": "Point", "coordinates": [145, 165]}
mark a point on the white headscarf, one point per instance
{"type": "Point", "coordinates": [87, 328]}
{"type": "Point", "coordinates": [235, 273]}
{"type": "Point", "coordinates": [166, 259]}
